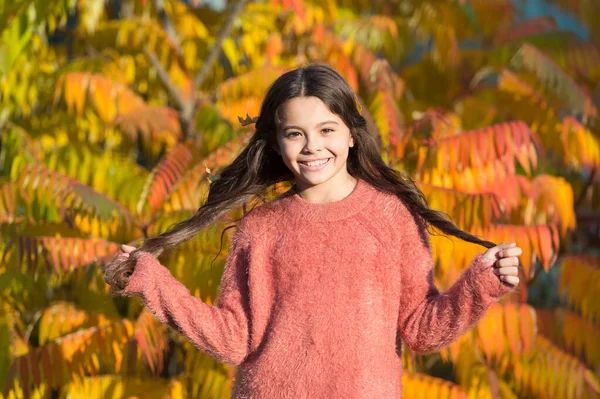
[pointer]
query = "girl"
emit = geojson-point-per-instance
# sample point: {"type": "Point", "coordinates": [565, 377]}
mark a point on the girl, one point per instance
{"type": "Point", "coordinates": [320, 282]}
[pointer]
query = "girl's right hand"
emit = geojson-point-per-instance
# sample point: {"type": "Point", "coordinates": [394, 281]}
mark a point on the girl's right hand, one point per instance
{"type": "Point", "coordinates": [126, 249]}
{"type": "Point", "coordinates": [116, 268]}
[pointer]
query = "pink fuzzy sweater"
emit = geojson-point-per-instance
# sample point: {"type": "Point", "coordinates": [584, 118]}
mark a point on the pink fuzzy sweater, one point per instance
{"type": "Point", "coordinates": [314, 296]}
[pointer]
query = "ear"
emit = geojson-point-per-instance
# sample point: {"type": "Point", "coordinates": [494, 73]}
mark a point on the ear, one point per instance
{"type": "Point", "coordinates": [351, 141]}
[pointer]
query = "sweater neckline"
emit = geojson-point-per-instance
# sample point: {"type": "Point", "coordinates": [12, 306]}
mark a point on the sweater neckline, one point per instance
{"type": "Point", "coordinates": [348, 206]}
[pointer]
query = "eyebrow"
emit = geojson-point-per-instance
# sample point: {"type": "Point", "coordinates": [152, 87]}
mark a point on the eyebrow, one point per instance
{"type": "Point", "coordinates": [318, 124]}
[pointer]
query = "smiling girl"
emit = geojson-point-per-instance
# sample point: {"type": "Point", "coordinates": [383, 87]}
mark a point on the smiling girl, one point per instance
{"type": "Point", "coordinates": [322, 284]}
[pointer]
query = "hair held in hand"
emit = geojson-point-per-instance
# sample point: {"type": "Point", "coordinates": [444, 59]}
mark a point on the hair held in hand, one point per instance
{"type": "Point", "coordinates": [259, 166]}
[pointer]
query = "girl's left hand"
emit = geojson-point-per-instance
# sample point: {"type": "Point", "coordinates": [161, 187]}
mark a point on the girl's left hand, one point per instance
{"type": "Point", "coordinates": [504, 258]}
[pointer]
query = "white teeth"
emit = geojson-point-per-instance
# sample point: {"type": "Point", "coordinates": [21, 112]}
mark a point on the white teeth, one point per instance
{"type": "Point", "coordinates": [317, 163]}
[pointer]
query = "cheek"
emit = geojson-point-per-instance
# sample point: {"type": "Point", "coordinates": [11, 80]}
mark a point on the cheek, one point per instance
{"type": "Point", "coordinates": [288, 152]}
{"type": "Point", "coordinates": [340, 149]}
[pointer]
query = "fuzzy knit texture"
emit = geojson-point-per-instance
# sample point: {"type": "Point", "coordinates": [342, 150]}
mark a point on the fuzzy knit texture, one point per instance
{"type": "Point", "coordinates": [315, 299]}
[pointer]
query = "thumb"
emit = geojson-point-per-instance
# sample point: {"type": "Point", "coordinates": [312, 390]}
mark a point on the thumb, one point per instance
{"type": "Point", "coordinates": [127, 248]}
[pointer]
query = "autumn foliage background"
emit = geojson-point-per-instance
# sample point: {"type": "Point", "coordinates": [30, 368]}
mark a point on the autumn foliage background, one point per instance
{"type": "Point", "coordinates": [115, 115]}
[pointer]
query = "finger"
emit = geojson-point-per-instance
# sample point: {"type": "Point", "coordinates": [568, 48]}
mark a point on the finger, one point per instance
{"type": "Point", "coordinates": [503, 246]}
{"type": "Point", "coordinates": [492, 253]}
{"type": "Point", "coordinates": [507, 271]}
{"type": "Point", "coordinates": [127, 248]}
{"type": "Point", "coordinates": [515, 251]}
{"type": "Point", "coordinates": [504, 262]}
{"type": "Point", "coordinates": [508, 252]}
{"type": "Point", "coordinates": [512, 280]}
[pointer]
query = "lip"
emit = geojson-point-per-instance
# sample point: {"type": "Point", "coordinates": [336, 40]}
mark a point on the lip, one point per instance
{"type": "Point", "coordinates": [314, 168]}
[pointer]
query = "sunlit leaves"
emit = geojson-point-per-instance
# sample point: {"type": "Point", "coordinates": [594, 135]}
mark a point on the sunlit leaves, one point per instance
{"type": "Point", "coordinates": [62, 254]}
{"type": "Point", "coordinates": [466, 209]}
{"type": "Point", "coordinates": [246, 51]}
{"type": "Point", "coordinates": [507, 143]}
{"type": "Point", "coordinates": [478, 378]}
{"type": "Point", "coordinates": [252, 84]}
{"type": "Point", "coordinates": [452, 161]}
{"type": "Point", "coordinates": [53, 196]}
{"type": "Point", "coordinates": [378, 33]}
{"type": "Point", "coordinates": [114, 175]}
{"type": "Point", "coordinates": [421, 386]}
{"type": "Point", "coordinates": [153, 123]}
{"type": "Point", "coordinates": [382, 88]}
{"type": "Point", "coordinates": [243, 94]}
{"type": "Point", "coordinates": [547, 199]}
{"type": "Point", "coordinates": [115, 387]}
{"type": "Point", "coordinates": [507, 329]}
{"type": "Point", "coordinates": [210, 378]}
{"type": "Point", "coordinates": [192, 189]}
{"type": "Point", "coordinates": [164, 176]}
{"type": "Point", "coordinates": [107, 98]}
{"type": "Point", "coordinates": [188, 25]}
{"type": "Point", "coordinates": [555, 80]}
{"type": "Point", "coordinates": [151, 337]}
{"type": "Point", "coordinates": [8, 201]}
{"type": "Point", "coordinates": [213, 129]}
{"type": "Point", "coordinates": [24, 85]}
{"type": "Point", "coordinates": [335, 52]}
{"type": "Point", "coordinates": [294, 6]}
{"type": "Point", "coordinates": [16, 143]}
{"type": "Point", "coordinates": [550, 372]}
{"type": "Point", "coordinates": [539, 243]}
{"type": "Point", "coordinates": [582, 338]}
{"type": "Point", "coordinates": [579, 284]}
{"type": "Point", "coordinates": [86, 351]}
{"type": "Point", "coordinates": [63, 318]}
{"type": "Point", "coordinates": [581, 147]}
{"type": "Point", "coordinates": [131, 35]}
{"type": "Point", "coordinates": [305, 15]}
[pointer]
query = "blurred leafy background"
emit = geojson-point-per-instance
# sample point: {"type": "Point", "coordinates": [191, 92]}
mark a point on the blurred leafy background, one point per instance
{"type": "Point", "coordinates": [114, 114]}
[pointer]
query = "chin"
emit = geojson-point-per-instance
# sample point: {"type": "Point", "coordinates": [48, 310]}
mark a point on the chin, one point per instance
{"type": "Point", "coordinates": [314, 180]}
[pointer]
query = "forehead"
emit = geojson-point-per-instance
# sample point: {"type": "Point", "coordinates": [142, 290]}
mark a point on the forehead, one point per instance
{"type": "Point", "coordinates": [306, 111]}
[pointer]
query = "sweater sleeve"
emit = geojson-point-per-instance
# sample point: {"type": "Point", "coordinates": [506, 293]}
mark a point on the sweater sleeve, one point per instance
{"type": "Point", "coordinates": [222, 330]}
{"type": "Point", "coordinates": [429, 320]}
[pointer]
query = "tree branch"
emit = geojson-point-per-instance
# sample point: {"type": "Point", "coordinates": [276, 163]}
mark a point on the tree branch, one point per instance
{"type": "Point", "coordinates": [164, 77]}
{"type": "Point", "coordinates": [188, 107]}
{"type": "Point", "coordinates": [216, 49]}
{"type": "Point", "coordinates": [168, 26]}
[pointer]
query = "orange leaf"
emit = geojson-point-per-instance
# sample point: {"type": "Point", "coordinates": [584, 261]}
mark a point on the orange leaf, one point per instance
{"type": "Point", "coordinates": [511, 326]}
{"type": "Point", "coordinates": [528, 327]}
{"type": "Point", "coordinates": [490, 331]}
{"type": "Point", "coordinates": [164, 177]}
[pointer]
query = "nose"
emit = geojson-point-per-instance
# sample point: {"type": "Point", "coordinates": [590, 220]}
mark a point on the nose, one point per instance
{"type": "Point", "coordinates": [313, 143]}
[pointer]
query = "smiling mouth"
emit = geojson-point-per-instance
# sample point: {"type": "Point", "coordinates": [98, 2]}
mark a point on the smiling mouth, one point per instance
{"type": "Point", "coordinates": [314, 164]}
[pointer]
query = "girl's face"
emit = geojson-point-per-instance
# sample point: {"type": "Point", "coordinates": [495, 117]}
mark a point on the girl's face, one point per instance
{"type": "Point", "coordinates": [314, 143]}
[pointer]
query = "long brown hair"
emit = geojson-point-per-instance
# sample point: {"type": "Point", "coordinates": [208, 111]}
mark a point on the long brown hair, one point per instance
{"type": "Point", "coordinates": [259, 166]}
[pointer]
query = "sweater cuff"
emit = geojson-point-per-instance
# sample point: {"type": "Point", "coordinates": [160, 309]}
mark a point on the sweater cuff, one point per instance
{"type": "Point", "coordinates": [483, 279]}
{"type": "Point", "coordinates": [147, 272]}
